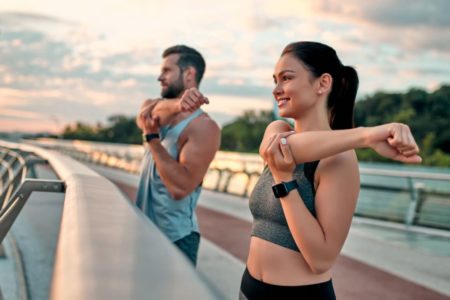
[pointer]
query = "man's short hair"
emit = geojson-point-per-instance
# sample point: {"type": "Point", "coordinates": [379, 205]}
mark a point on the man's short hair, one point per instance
{"type": "Point", "coordinates": [189, 57]}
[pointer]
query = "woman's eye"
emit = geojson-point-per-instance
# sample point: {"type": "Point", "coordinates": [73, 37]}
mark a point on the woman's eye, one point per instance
{"type": "Point", "coordinates": [284, 78]}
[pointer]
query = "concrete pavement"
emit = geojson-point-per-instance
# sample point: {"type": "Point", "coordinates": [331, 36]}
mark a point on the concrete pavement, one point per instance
{"type": "Point", "coordinates": [379, 260]}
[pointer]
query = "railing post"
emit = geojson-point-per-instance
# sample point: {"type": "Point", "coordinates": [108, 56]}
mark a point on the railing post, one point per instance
{"type": "Point", "coordinates": [227, 181]}
{"type": "Point", "coordinates": [219, 178]}
{"type": "Point", "coordinates": [249, 177]}
{"type": "Point", "coordinates": [421, 196]}
{"type": "Point", "coordinates": [416, 192]}
{"type": "Point", "coordinates": [31, 162]}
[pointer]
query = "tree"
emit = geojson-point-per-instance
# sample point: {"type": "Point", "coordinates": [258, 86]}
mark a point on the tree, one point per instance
{"type": "Point", "coordinates": [246, 132]}
{"type": "Point", "coordinates": [427, 114]}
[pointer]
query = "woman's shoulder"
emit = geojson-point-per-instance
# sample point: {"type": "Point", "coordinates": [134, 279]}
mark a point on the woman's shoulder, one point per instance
{"type": "Point", "coordinates": [278, 126]}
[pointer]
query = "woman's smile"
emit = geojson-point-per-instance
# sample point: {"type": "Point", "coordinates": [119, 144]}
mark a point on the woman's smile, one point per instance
{"type": "Point", "coordinates": [282, 101]}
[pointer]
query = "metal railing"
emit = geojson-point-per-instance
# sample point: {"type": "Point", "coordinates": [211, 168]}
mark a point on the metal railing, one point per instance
{"type": "Point", "coordinates": [14, 166]}
{"type": "Point", "coordinates": [412, 200]}
{"type": "Point", "coordinates": [107, 249]}
{"type": "Point", "coordinates": [13, 207]}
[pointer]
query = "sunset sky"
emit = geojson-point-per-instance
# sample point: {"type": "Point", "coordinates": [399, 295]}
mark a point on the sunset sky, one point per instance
{"type": "Point", "coordinates": [68, 61]}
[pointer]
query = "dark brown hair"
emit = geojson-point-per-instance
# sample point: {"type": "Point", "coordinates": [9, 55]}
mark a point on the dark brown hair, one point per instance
{"type": "Point", "coordinates": [189, 57]}
{"type": "Point", "coordinates": [319, 59]}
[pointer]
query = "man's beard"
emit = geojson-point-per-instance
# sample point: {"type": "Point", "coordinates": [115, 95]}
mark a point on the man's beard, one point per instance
{"type": "Point", "coordinates": [174, 90]}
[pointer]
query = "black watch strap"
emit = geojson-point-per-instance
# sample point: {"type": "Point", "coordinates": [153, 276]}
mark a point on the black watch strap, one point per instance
{"type": "Point", "coordinates": [148, 137]}
{"type": "Point", "coordinates": [282, 189]}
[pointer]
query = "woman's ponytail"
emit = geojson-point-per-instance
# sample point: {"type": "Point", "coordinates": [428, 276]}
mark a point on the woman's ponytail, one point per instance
{"type": "Point", "coordinates": [342, 98]}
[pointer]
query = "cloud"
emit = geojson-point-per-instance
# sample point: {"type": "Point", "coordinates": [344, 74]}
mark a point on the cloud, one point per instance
{"type": "Point", "coordinates": [391, 13]}
{"type": "Point", "coordinates": [19, 114]}
{"type": "Point", "coordinates": [263, 22]}
{"type": "Point", "coordinates": [18, 17]}
{"type": "Point", "coordinates": [225, 108]}
{"type": "Point", "coordinates": [77, 66]}
{"type": "Point", "coordinates": [417, 26]}
{"type": "Point", "coordinates": [241, 86]}
{"type": "Point", "coordinates": [29, 126]}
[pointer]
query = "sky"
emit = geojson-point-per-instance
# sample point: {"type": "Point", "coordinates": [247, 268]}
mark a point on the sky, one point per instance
{"type": "Point", "coordinates": [68, 61]}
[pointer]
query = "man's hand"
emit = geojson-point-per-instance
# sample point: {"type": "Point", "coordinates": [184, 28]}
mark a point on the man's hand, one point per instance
{"type": "Point", "coordinates": [150, 124]}
{"type": "Point", "coordinates": [191, 100]}
{"type": "Point", "coordinates": [145, 110]}
{"type": "Point", "coordinates": [167, 109]}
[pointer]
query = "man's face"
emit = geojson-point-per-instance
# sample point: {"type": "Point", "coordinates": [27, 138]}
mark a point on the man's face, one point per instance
{"type": "Point", "coordinates": [171, 78]}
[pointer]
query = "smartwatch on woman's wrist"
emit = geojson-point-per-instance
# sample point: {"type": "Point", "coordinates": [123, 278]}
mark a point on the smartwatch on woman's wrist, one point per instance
{"type": "Point", "coordinates": [282, 189]}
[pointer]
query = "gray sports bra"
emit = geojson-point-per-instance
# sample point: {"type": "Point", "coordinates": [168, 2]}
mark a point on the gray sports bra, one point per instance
{"type": "Point", "coordinates": [269, 222]}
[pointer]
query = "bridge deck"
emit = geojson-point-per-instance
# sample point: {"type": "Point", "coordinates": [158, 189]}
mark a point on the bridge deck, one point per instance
{"type": "Point", "coordinates": [379, 260]}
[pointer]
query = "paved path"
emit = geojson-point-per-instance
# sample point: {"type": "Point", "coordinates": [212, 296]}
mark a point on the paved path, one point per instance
{"type": "Point", "coordinates": [353, 279]}
{"type": "Point", "coordinates": [376, 262]}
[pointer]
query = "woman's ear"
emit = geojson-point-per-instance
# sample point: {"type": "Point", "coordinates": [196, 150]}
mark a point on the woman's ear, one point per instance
{"type": "Point", "coordinates": [325, 82]}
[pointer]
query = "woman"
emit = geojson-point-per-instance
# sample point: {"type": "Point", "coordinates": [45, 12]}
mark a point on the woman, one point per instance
{"type": "Point", "coordinates": [304, 201]}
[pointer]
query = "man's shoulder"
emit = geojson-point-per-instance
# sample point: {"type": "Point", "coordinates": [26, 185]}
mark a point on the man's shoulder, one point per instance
{"type": "Point", "coordinates": [201, 127]}
{"type": "Point", "coordinates": [202, 131]}
{"type": "Point", "coordinates": [204, 123]}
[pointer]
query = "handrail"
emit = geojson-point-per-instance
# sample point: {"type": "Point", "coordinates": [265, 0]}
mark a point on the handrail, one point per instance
{"type": "Point", "coordinates": [88, 148]}
{"type": "Point", "coordinates": [108, 249]}
{"type": "Point", "coordinates": [410, 174]}
{"type": "Point", "coordinates": [237, 173]}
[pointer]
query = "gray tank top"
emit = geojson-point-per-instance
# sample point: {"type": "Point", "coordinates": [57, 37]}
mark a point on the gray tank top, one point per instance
{"type": "Point", "coordinates": [269, 222]}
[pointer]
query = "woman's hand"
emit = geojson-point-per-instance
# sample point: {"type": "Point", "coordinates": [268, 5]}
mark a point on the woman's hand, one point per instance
{"type": "Point", "coordinates": [279, 157]}
{"type": "Point", "coordinates": [394, 141]}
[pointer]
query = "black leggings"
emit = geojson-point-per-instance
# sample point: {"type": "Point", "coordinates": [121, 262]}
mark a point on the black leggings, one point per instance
{"type": "Point", "coordinates": [254, 289]}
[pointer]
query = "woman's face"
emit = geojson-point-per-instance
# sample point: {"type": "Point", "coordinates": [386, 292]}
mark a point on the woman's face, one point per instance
{"type": "Point", "coordinates": [294, 87]}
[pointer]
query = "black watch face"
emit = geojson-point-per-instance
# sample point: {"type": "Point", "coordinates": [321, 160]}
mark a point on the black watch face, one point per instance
{"type": "Point", "coordinates": [279, 190]}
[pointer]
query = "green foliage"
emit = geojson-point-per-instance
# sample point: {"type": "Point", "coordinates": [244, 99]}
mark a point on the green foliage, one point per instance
{"type": "Point", "coordinates": [121, 129]}
{"type": "Point", "coordinates": [246, 132]}
{"type": "Point", "coordinates": [427, 114]}
{"type": "Point", "coordinates": [438, 158]}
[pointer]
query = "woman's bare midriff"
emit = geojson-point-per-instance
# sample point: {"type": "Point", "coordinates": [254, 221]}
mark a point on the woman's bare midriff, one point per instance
{"type": "Point", "coordinates": [278, 265]}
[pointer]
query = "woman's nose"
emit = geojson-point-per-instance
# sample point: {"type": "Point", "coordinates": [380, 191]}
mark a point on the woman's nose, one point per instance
{"type": "Point", "coordinates": [277, 91]}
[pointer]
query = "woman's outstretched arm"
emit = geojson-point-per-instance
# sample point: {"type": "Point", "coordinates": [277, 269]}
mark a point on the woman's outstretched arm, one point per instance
{"type": "Point", "coordinates": [393, 140]}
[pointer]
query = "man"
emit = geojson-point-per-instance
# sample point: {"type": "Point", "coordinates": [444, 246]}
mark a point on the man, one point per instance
{"type": "Point", "coordinates": [181, 141]}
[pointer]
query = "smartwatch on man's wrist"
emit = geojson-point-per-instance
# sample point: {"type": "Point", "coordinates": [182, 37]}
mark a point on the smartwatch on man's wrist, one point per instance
{"type": "Point", "coordinates": [148, 137]}
{"type": "Point", "coordinates": [282, 189]}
